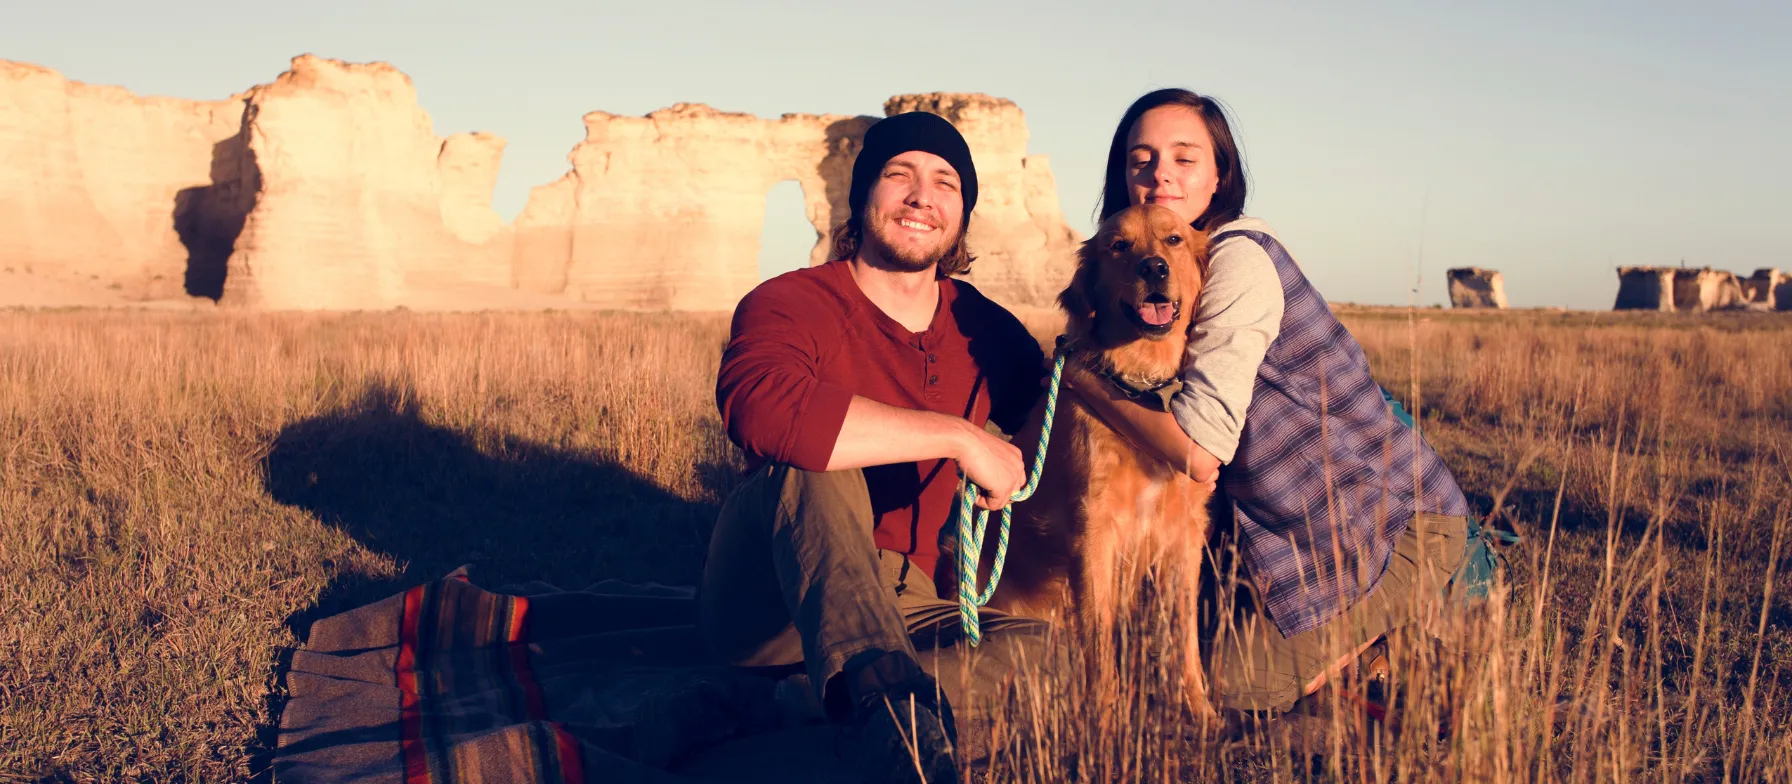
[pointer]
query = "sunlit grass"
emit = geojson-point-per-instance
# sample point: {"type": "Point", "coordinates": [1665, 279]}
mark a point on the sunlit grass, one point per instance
{"type": "Point", "coordinates": [161, 525]}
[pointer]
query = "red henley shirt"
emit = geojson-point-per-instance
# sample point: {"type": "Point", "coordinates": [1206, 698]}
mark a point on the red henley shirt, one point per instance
{"type": "Point", "coordinates": [804, 343]}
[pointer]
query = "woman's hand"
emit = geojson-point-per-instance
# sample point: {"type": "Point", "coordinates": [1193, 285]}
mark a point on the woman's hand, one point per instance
{"type": "Point", "coordinates": [1153, 432]}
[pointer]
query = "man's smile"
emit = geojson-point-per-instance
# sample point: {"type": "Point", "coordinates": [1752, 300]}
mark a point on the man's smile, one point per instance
{"type": "Point", "coordinates": [914, 225]}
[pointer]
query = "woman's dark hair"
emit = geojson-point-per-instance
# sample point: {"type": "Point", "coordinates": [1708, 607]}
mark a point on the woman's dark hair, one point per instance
{"type": "Point", "coordinates": [1228, 197]}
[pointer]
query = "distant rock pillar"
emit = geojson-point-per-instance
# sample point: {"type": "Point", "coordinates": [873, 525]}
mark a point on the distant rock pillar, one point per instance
{"type": "Point", "coordinates": [1473, 287]}
{"type": "Point", "coordinates": [1645, 288]}
{"type": "Point", "coordinates": [1705, 289]}
{"type": "Point", "coordinates": [1768, 289]}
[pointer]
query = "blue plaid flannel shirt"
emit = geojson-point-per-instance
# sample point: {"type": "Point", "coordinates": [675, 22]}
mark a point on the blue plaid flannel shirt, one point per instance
{"type": "Point", "coordinates": [1325, 479]}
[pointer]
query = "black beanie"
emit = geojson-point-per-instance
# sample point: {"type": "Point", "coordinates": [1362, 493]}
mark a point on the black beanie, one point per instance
{"type": "Point", "coordinates": [895, 135]}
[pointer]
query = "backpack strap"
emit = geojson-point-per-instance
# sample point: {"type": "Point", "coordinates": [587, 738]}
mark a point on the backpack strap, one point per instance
{"type": "Point", "coordinates": [1255, 236]}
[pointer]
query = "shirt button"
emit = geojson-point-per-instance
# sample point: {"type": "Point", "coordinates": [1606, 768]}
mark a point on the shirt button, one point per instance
{"type": "Point", "coordinates": [933, 379]}
{"type": "Point", "coordinates": [932, 358]}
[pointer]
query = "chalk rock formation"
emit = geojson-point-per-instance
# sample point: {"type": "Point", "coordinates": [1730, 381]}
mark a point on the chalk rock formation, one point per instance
{"type": "Point", "coordinates": [1705, 289]}
{"type": "Point", "coordinates": [1473, 287]}
{"type": "Point", "coordinates": [468, 167]}
{"type": "Point", "coordinates": [1024, 250]}
{"type": "Point", "coordinates": [665, 211]}
{"type": "Point", "coordinates": [351, 206]}
{"type": "Point", "coordinates": [543, 236]}
{"type": "Point", "coordinates": [1698, 290]}
{"type": "Point", "coordinates": [1645, 288]}
{"type": "Point", "coordinates": [100, 186]}
{"type": "Point", "coordinates": [328, 189]}
{"type": "Point", "coordinates": [1768, 289]}
{"type": "Point", "coordinates": [325, 189]}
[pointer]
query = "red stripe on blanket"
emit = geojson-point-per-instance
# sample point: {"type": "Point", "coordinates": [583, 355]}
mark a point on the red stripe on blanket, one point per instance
{"type": "Point", "coordinates": [572, 769]}
{"type": "Point", "coordinates": [566, 749]}
{"type": "Point", "coordinates": [519, 662]}
{"type": "Point", "coordinates": [410, 705]}
{"type": "Point", "coordinates": [520, 609]}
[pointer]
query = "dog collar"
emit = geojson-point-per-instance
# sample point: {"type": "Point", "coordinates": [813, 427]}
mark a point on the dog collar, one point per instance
{"type": "Point", "coordinates": [1156, 396]}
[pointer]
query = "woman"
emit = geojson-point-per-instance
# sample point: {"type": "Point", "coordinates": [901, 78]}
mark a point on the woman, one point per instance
{"type": "Point", "coordinates": [1345, 519]}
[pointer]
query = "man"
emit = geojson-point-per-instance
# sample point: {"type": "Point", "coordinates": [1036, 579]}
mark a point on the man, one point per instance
{"type": "Point", "coordinates": [859, 390]}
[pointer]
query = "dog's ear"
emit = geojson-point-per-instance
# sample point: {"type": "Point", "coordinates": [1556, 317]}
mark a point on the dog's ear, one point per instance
{"type": "Point", "coordinates": [1203, 263]}
{"type": "Point", "coordinates": [1077, 299]}
{"type": "Point", "coordinates": [1203, 258]}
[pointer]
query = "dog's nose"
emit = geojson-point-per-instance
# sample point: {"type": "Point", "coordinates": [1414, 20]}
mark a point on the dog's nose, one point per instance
{"type": "Point", "coordinates": [1154, 269]}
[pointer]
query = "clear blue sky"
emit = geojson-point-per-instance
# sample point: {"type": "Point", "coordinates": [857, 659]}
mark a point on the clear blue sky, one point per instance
{"type": "Point", "coordinates": [1386, 141]}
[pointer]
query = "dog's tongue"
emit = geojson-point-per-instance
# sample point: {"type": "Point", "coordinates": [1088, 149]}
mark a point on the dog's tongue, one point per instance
{"type": "Point", "coordinates": [1157, 314]}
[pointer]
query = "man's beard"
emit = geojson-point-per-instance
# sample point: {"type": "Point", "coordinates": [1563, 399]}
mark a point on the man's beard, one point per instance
{"type": "Point", "coordinates": [905, 259]}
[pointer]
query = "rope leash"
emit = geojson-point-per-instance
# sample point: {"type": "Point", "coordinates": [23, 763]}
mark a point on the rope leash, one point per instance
{"type": "Point", "coordinates": [973, 523]}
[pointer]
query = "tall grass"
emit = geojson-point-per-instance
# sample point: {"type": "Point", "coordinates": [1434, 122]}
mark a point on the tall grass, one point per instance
{"type": "Point", "coordinates": [1644, 633]}
{"type": "Point", "coordinates": [180, 493]}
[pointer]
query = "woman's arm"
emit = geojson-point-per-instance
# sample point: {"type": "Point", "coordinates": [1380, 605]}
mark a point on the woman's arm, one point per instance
{"type": "Point", "coordinates": [1154, 431]}
{"type": "Point", "coordinates": [1239, 317]}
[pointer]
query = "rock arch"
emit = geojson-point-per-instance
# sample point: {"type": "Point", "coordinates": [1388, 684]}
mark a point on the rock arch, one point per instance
{"type": "Point", "coordinates": [782, 245]}
{"type": "Point", "coordinates": [665, 211]}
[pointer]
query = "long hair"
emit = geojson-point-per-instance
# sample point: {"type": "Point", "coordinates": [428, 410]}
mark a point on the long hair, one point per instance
{"type": "Point", "coordinates": [1228, 196]}
{"type": "Point", "coordinates": [957, 261]}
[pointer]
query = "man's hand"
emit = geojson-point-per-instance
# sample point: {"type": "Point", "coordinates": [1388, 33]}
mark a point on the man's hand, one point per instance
{"type": "Point", "coordinates": [995, 465]}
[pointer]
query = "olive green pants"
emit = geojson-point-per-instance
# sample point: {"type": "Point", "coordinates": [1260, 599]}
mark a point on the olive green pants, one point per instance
{"type": "Point", "coordinates": [1254, 667]}
{"type": "Point", "coordinates": [793, 576]}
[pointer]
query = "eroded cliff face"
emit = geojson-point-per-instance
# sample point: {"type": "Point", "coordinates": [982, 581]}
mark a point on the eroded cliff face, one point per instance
{"type": "Point", "coordinates": [467, 166]}
{"type": "Point", "coordinates": [1645, 288]}
{"type": "Point", "coordinates": [99, 186]}
{"type": "Point", "coordinates": [1768, 289]}
{"type": "Point", "coordinates": [666, 210]}
{"type": "Point", "coordinates": [1701, 289]}
{"type": "Point", "coordinates": [328, 189]}
{"type": "Point", "coordinates": [352, 205]}
{"type": "Point", "coordinates": [543, 244]}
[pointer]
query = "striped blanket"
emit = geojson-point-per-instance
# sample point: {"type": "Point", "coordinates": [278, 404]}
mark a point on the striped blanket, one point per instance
{"type": "Point", "coordinates": [448, 683]}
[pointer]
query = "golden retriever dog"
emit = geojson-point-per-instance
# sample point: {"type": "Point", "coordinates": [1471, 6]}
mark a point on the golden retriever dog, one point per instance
{"type": "Point", "coordinates": [1108, 517]}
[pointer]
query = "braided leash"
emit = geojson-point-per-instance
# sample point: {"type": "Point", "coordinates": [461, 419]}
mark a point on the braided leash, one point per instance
{"type": "Point", "coordinates": [970, 533]}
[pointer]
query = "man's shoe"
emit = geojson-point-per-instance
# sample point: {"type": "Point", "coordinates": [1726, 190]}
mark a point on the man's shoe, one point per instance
{"type": "Point", "coordinates": [897, 738]}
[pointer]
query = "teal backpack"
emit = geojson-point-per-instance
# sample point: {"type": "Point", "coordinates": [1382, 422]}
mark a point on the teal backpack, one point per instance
{"type": "Point", "coordinates": [1481, 561]}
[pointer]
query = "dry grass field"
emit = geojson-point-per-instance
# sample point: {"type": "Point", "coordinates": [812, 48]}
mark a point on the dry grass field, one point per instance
{"type": "Point", "coordinates": [181, 494]}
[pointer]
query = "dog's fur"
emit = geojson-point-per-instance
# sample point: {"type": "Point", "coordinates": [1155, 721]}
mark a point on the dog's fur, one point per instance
{"type": "Point", "coordinates": [1108, 517]}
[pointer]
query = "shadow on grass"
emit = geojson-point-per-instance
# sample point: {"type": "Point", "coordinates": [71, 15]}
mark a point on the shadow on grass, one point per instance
{"type": "Point", "coordinates": [514, 511]}
{"type": "Point", "coordinates": [436, 498]}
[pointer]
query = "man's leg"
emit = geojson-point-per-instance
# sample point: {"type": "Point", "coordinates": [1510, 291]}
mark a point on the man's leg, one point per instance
{"type": "Point", "coordinates": [1259, 669]}
{"type": "Point", "coordinates": [972, 677]}
{"type": "Point", "coordinates": [793, 576]}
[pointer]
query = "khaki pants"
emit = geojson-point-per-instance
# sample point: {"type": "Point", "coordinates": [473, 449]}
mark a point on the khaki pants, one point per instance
{"type": "Point", "coordinates": [793, 576]}
{"type": "Point", "coordinates": [1255, 668]}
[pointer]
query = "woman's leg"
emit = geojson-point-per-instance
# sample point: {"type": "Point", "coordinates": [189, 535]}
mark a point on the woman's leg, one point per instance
{"type": "Point", "coordinates": [1256, 668]}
